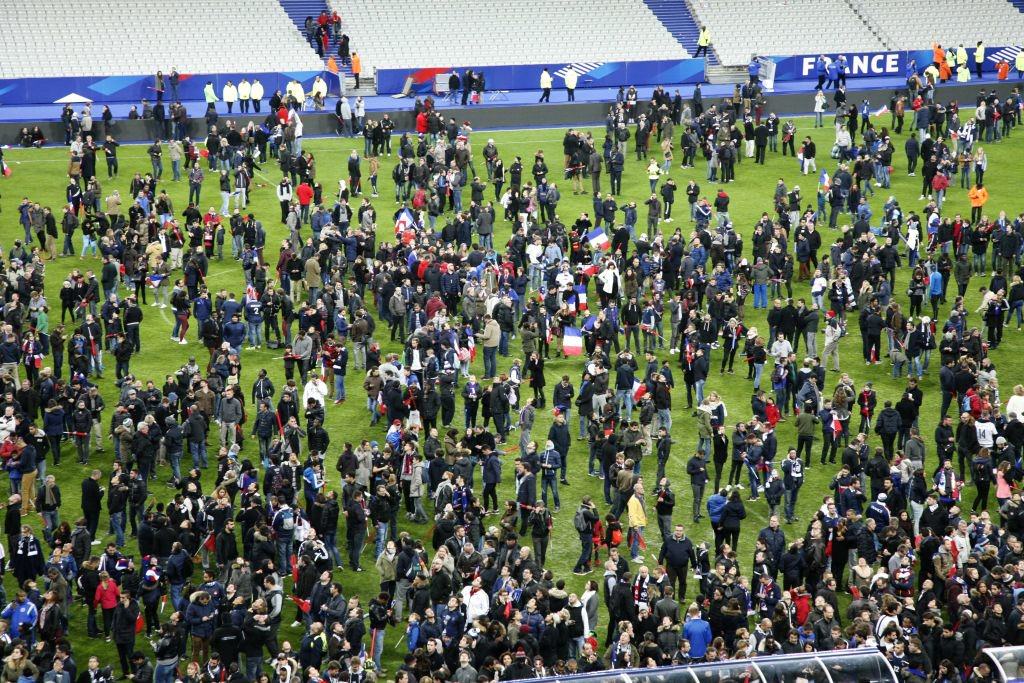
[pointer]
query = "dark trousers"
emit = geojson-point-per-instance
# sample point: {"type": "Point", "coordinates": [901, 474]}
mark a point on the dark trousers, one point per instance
{"type": "Point", "coordinates": [677, 574]}
{"type": "Point", "coordinates": [804, 443]}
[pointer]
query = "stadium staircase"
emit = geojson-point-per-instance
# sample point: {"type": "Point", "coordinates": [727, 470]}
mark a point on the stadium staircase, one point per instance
{"type": "Point", "coordinates": [675, 15]}
{"type": "Point", "coordinates": [298, 10]}
{"type": "Point", "coordinates": [864, 14]}
{"type": "Point", "coordinates": [1019, 4]}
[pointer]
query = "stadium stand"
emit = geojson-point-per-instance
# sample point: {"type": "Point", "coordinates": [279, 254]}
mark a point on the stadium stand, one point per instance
{"type": "Point", "coordinates": [676, 17]}
{"type": "Point", "coordinates": [492, 32]}
{"type": "Point", "coordinates": [790, 27]}
{"type": "Point", "coordinates": [99, 40]}
{"type": "Point", "coordinates": [950, 22]}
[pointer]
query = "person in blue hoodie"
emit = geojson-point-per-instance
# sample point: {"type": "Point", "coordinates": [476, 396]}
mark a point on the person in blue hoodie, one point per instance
{"type": "Point", "coordinates": [254, 321]}
{"type": "Point", "coordinates": [843, 68]}
{"type": "Point", "coordinates": [716, 503]}
{"type": "Point", "coordinates": [833, 75]}
{"type": "Point", "coordinates": [821, 71]}
{"type": "Point", "coordinates": [234, 333]}
{"type": "Point", "coordinates": [21, 612]}
{"type": "Point", "coordinates": [200, 618]}
{"type": "Point", "coordinates": [202, 309]}
{"type": "Point", "coordinates": [754, 70]}
{"type": "Point", "coordinates": [935, 291]}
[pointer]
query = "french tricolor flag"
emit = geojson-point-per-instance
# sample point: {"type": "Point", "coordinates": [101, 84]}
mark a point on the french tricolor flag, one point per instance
{"type": "Point", "coordinates": [599, 240]}
{"type": "Point", "coordinates": [591, 270]}
{"type": "Point", "coordinates": [639, 390]}
{"type": "Point", "coordinates": [837, 426]}
{"type": "Point", "coordinates": [572, 341]}
{"type": "Point", "coordinates": [580, 295]}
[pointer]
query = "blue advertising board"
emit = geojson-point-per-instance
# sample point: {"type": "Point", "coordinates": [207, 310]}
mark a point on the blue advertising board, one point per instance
{"type": "Point", "coordinates": [872, 64]}
{"type": "Point", "coordinates": [109, 89]}
{"type": "Point", "coordinates": [527, 76]}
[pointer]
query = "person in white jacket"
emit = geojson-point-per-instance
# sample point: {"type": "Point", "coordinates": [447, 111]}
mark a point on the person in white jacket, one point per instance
{"type": "Point", "coordinates": [230, 95]}
{"type": "Point", "coordinates": [244, 95]}
{"type": "Point", "coordinates": [315, 389]}
{"type": "Point", "coordinates": [571, 79]}
{"type": "Point", "coordinates": [820, 104]}
{"type": "Point", "coordinates": [475, 598]}
{"type": "Point", "coordinates": [256, 94]}
{"type": "Point", "coordinates": [1015, 406]}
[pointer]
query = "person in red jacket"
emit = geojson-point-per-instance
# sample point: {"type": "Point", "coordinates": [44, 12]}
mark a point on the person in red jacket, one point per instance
{"type": "Point", "coordinates": [304, 193]}
{"type": "Point", "coordinates": [107, 595]}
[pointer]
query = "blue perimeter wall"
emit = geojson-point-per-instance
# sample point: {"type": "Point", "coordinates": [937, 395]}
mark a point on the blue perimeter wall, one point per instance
{"type": "Point", "coordinates": [103, 89]}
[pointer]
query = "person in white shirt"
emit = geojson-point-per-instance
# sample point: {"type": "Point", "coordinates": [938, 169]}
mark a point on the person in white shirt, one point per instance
{"type": "Point", "coordinates": [571, 78]}
{"type": "Point", "coordinates": [986, 431]}
{"type": "Point", "coordinates": [1015, 406]}
{"type": "Point", "coordinates": [315, 389]}
{"type": "Point", "coordinates": [781, 348]}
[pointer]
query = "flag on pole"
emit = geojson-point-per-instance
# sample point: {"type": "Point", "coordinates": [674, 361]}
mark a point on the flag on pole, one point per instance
{"type": "Point", "coordinates": [639, 390]}
{"type": "Point", "coordinates": [572, 341]}
{"type": "Point", "coordinates": [294, 560]}
{"type": "Point", "coordinates": [599, 240]}
{"type": "Point", "coordinates": [210, 542]}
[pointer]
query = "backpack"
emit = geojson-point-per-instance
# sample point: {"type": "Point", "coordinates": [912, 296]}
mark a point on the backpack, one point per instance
{"type": "Point", "coordinates": [580, 522]}
{"type": "Point", "coordinates": [287, 520]}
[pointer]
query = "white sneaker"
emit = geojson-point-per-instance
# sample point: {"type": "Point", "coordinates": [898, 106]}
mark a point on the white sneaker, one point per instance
{"type": "Point", "coordinates": [639, 559]}
{"type": "Point", "coordinates": [183, 342]}
{"type": "Point", "coordinates": [296, 624]}
{"type": "Point", "coordinates": [97, 542]}
{"type": "Point", "coordinates": [920, 198]}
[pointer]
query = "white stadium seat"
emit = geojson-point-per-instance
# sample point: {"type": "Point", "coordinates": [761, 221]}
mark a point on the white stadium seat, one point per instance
{"type": "Point", "coordinates": [141, 37]}
{"type": "Point", "coordinates": [493, 32]}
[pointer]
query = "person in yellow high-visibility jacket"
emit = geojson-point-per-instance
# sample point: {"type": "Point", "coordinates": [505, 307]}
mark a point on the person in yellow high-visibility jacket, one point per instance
{"type": "Point", "coordinates": [703, 41]}
{"type": "Point", "coordinates": [979, 58]}
{"type": "Point", "coordinates": [1018, 64]}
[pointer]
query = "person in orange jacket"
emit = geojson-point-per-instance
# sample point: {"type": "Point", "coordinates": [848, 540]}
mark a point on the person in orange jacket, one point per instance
{"type": "Point", "coordinates": [978, 196]}
{"type": "Point", "coordinates": [357, 66]}
{"type": "Point", "coordinates": [938, 55]}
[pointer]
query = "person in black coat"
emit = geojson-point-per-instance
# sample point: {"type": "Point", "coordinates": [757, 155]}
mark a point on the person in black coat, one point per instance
{"type": "Point", "coordinates": [355, 515]}
{"type": "Point", "coordinates": [526, 494]}
{"type": "Point", "coordinates": [558, 434]}
{"type": "Point", "coordinates": [732, 514]}
{"type": "Point", "coordinates": [92, 497]}
{"type": "Point", "coordinates": [123, 629]}
{"type": "Point", "coordinates": [12, 520]}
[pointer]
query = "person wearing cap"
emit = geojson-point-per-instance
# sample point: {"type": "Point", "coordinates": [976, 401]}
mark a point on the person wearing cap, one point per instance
{"type": "Point", "coordinates": [879, 512]}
